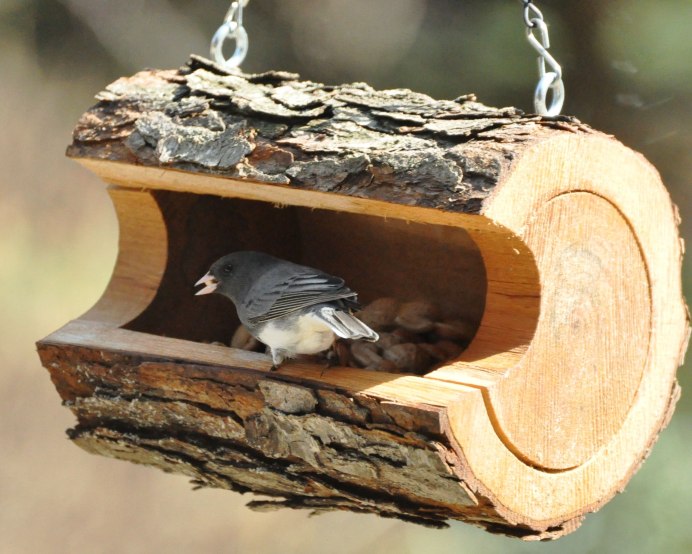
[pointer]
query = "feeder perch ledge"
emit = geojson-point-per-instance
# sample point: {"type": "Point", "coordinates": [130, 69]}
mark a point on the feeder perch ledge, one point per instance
{"type": "Point", "coordinates": [555, 243]}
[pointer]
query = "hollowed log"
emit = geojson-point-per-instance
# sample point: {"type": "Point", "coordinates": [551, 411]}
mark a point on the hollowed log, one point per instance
{"type": "Point", "coordinates": [557, 244]}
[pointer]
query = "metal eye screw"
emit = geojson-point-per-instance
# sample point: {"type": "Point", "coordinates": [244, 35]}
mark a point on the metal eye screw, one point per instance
{"type": "Point", "coordinates": [231, 28]}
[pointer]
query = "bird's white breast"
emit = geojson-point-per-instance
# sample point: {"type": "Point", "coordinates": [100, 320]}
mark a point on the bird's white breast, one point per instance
{"type": "Point", "coordinates": [306, 334]}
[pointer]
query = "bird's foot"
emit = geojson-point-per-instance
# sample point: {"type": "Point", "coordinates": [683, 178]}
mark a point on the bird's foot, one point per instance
{"type": "Point", "coordinates": [337, 355]}
{"type": "Point", "coordinates": [331, 359]}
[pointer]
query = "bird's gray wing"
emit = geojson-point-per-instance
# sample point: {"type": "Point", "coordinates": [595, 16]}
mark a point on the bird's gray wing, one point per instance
{"type": "Point", "coordinates": [277, 294]}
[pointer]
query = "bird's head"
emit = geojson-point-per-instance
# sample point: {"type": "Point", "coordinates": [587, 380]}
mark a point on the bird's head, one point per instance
{"type": "Point", "coordinates": [233, 274]}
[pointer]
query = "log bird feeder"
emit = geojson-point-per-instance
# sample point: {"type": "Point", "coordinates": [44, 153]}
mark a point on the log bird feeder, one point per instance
{"type": "Point", "coordinates": [555, 243]}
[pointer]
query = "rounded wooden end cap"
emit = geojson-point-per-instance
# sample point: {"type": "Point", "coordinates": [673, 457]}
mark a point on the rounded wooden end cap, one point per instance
{"type": "Point", "coordinates": [574, 410]}
{"type": "Point", "coordinates": [576, 382]}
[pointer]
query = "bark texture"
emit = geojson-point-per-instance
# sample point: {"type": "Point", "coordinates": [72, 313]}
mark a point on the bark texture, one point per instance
{"type": "Point", "coordinates": [394, 145]}
{"type": "Point", "coordinates": [317, 448]}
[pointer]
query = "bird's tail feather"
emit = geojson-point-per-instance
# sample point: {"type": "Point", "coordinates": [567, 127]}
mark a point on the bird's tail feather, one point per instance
{"type": "Point", "coordinates": [345, 325]}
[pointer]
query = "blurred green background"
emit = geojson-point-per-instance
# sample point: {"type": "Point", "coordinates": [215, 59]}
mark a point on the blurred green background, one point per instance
{"type": "Point", "coordinates": [627, 72]}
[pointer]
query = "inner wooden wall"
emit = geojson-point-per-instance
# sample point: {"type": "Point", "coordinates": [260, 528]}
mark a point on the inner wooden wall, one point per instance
{"type": "Point", "coordinates": [390, 257]}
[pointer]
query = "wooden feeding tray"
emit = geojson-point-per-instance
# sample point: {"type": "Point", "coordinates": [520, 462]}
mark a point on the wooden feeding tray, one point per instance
{"type": "Point", "coordinates": [556, 245]}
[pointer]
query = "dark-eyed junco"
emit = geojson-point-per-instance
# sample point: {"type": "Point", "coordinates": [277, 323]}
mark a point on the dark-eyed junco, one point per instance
{"type": "Point", "coordinates": [291, 308]}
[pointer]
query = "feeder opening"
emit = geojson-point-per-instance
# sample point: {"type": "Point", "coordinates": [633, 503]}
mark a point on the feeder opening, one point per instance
{"type": "Point", "coordinates": [427, 281]}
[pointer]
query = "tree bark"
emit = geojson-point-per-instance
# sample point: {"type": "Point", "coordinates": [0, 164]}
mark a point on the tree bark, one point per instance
{"type": "Point", "coordinates": [315, 447]}
{"type": "Point", "coordinates": [396, 145]}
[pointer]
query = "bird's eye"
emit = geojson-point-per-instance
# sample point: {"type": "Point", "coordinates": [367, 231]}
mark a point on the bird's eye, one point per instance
{"type": "Point", "coordinates": [227, 269]}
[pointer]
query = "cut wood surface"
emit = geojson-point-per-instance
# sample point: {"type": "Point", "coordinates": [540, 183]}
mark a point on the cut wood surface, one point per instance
{"type": "Point", "coordinates": [555, 243]}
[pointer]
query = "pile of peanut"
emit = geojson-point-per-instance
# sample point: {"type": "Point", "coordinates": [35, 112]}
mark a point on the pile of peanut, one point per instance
{"type": "Point", "coordinates": [413, 338]}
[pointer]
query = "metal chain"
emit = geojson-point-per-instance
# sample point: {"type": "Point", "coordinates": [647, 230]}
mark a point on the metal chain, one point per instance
{"type": "Point", "coordinates": [232, 27]}
{"type": "Point", "coordinates": [548, 80]}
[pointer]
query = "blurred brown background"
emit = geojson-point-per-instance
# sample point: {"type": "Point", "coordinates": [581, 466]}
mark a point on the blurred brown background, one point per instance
{"type": "Point", "coordinates": [628, 72]}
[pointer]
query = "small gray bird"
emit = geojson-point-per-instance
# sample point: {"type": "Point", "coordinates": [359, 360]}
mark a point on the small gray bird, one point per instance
{"type": "Point", "coordinates": [291, 308]}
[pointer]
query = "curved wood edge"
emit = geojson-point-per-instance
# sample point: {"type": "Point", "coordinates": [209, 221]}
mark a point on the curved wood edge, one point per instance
{"type": "Point", "coordinates": [511, 312]}
{"type": "Point", "coordinates": [531, 496]}
{"type": "Point", "coordinates": [141, 262]}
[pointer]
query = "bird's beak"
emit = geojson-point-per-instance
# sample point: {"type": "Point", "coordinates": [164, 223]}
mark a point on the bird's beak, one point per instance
{"type": "Point", "coordinates": [210, 283]}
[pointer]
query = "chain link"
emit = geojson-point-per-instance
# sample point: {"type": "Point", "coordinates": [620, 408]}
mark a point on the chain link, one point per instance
{"type": "Point", "coordinates": [551, 80]}
{"type": "Point", "coordinates": [232, 27]}
{"type": "Point", "coordinates": [530, 8]}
